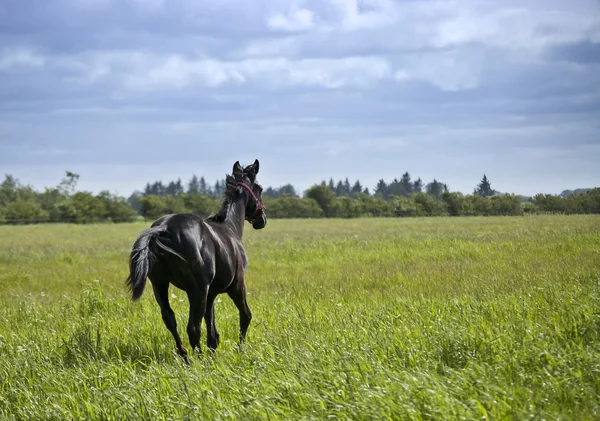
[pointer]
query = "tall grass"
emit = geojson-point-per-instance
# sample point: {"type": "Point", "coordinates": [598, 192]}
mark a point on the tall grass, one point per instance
{"type": "Point", "coordinates": [442, 318]}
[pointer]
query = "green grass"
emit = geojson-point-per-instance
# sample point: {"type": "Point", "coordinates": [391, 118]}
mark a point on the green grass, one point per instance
{"type": "Point", "coordinates": [441, 318]}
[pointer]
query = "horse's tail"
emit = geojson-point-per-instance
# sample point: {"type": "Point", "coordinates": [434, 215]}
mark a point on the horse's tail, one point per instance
{"type": "Point", "coordinates": [143, 256]}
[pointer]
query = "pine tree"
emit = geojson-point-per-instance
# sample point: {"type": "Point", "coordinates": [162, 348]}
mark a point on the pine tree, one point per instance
{"type": "Point", "coordinates": [417, 186]}
{"type": "Point", "coordinates": [178, 187]}
{"type": "Point", "coordinates": [194, 186]}
{"type": "Point", "coordinates": [357, 188]}
{"type": "Point", "coordinates": [203, 188]}
{"type": "Point", "coordinates": [406, 184]}
{"type": "Point", "coordinates": [171, 188]}
{"type": "Point", "coordinates": [484, 188]}
{"type": "Point", "coordinates": [382, 189]}
{"type": "Point", "coordinates": [347, 188]}
{"type": "Point", "coordinates": [435, 188]}
{"type": "Point", "coordinates": [331, 185]}
{"type": "Point", "coordinates": [271, 192]}
{"type": "Point", "coordinates": [340, 190]}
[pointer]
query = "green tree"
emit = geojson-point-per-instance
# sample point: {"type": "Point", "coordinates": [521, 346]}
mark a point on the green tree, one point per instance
{"type": "Point", "coordinates": [194, 185]}
{"type": "Point", "coordinates": [21, 211]}
{"type": "Point", "coordinates": [287, 190]}
{"type": "Point", "coordinates": [331, 185]}
{"type": "Point", "coordinates": [405, 206]}
{"type": "Point", "coordinates": [396, 188]}
{"type": "Point", "coordinates": [201, 205]}
{"type": "Point", "coordinates": [204, 188]}
{"type": "Point", "coordinates": [428, 205]}
{"type": "Point", "coordinates": [293, 207]}
{"type": "Point", "coordinates": [484, 188]}
{"type": "Point", "coordinates": [417, 186]}
{"type": "Point", "coordinates": [356, 188]}
{"type": "Point", "coordinates": [455, 203]}
{"type": "Point", "coordinates": [435, 189]}
{"type": "Point", "coordinates": [406, 184]}
{"type": "Point", "coordinates": [50, 201]}
{"type": "Point", "coordinates": [323, 196]}
{"type": "Point", "coordinates": [340, 190]}
{"type": "Point", "coordinates": [381, 190]}
{"type": "Point", "coordinates": [8, 190]}
{"type": "Point", "coordinates": [68, 184]}
{"type": "Point", "coordinates": [347, 187]}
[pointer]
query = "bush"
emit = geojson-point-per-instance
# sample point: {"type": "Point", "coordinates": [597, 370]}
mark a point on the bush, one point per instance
{"type": "Point", "coordinates": [292, 207]}
{"type": "Point", "coordinates": [22, 211]}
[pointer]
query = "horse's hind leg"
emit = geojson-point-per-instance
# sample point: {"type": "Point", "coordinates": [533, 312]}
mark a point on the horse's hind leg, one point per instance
{"type": "Point", "coordinates": [197, 297]}
{"type": "Point", "coordinates": [161, 293]}
{"type": "Point", "coordinates": [237, 292]}
{"type": "Point", "coordinates": [212, 336]}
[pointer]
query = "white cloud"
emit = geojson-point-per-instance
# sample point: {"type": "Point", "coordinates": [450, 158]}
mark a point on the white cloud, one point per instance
{"type": "Point", "coordinates": [292, 21]}
{"type": "Point", "coordinates": [355, 15]}
{"type": "Point", "coordinates": [20, 58]}
{"type": "Point", "coordinates": [448, 70]}
{"type": "Point", "coordinates": [142, 71]}
{"type": "Point", "coordinates": [515, 28]}
{"type": "Point", "coordinates": [276, 73]}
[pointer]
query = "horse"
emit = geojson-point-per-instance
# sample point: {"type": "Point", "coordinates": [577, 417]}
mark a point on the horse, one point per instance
{"type": "Point", "coordinates": [203, 257]}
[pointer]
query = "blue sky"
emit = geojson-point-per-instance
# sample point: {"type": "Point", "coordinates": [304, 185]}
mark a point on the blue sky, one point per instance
{"type": "Point", "coordinates": [129, 91]}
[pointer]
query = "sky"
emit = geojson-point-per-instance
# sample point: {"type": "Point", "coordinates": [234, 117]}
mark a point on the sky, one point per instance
{"type": "Point", "coordinates": [124, 92]}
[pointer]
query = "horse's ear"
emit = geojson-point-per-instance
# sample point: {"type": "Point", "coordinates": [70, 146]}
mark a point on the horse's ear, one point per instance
{"type": "Point", "coordinates": [255, 166]}
{"type": "Point", "coordinates": [238, 171]}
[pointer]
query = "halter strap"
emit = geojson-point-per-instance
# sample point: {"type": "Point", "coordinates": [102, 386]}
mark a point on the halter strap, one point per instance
{"type": "Point", "coordinates": [259, 207]}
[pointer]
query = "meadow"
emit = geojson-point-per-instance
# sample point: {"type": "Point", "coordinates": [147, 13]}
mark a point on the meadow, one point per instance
{"type": "Point", "coordinates": [416, 319]}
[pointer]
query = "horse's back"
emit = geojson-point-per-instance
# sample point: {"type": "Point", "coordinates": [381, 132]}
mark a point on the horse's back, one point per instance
{"type": "Point", "coordinates": [207, 248]}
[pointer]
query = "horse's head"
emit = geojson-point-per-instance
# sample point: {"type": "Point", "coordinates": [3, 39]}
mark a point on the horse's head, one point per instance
{"type": "Point", "coordinates": [246, 179]}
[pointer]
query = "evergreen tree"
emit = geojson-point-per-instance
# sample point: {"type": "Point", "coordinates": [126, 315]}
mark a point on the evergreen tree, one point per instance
{"type": "Point", "coordinates": [178, 187]}
{"type": "Point", "coordinates": [406, 184]}
{"type": "Point", "coordinates": [381, 189]}
{"type": "Point", "coordinates": [417, 186]}
{"type": "Point", "coordinates": [271, 192]}
{"type": "Point", "coordinates": [347, 188]}
{"type": "Point", "coordinates": [170, 190]}
{"type": "Point", "coordinates": [357, 188]}
{"type": "Point", "coordinates": [331, 185]}
{"type": "Point", "coordinates": [194, 186]}
{"type": "Point", "coordinates": [157, 188]}
{"type": "Point", "coordinates": [396, 188]}
{"type": "Point", "coordinates": [204, 188]}
{"type": "Point", "coordinates": [435, 189]}
{"type": "Point", "coordinates": [287, 190]}
{"type": "Point", "coordinates": [484, 188]}
{"type": "Point", "coordinates": [340, 190]}
{"type": "Point", "coordinates": [219, 188]}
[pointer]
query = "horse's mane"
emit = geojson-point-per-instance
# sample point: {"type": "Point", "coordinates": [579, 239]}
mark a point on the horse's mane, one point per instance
{"type": "Point", "coordinates": [228, 196]}
{"type": "Point", "coordinates": [231, 191]}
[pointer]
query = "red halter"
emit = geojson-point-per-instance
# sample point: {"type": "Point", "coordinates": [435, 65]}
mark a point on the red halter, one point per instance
{"type": "Point", "coordinates": [259, 207]}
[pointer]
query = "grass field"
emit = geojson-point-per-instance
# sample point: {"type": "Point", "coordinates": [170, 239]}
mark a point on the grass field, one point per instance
{"type": "Point", "coordinates": [440, 318]}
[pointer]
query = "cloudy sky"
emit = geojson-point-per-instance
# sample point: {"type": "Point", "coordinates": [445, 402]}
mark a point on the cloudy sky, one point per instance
{"type": "Point", "coordinates": [129, 91]}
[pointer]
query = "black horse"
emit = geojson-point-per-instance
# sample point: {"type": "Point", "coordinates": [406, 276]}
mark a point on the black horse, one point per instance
{"type": "Point", "coordinates": [204, 258]}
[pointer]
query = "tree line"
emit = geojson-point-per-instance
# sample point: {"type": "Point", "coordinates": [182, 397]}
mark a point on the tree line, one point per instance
{"type": "Point", "coordinates": [403, 197]}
